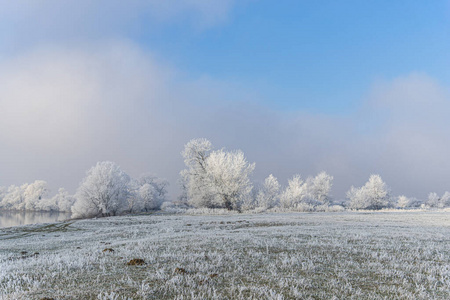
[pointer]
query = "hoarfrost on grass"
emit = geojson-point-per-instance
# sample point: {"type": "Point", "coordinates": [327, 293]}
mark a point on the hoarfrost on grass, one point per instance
{"type": "Point", "coordinates": [345, 255]}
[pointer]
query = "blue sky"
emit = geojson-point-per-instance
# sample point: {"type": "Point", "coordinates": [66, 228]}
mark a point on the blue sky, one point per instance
{"type": "Point", "coordinates": [318, 55]}
{"type": "Point", "coordinates": [349, 87]}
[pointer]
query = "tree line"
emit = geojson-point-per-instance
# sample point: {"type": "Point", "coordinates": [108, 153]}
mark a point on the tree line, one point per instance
{"type": "Point", "coordinates": [105, 191]}
{"type": "Point", "coordinates": [221, 179]}
{"type": "Point", "coordinates": [213, 178]}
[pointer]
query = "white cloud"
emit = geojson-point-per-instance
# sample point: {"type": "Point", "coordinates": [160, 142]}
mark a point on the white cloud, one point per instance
{"type": "Point", "coordinates": [24, 23]}
{"type": "Point", "coordinates": [64, 109]}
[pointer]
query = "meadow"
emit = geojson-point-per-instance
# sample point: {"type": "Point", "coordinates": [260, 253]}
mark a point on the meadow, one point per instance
{"type": "Point", "coordinates": [340, 255]}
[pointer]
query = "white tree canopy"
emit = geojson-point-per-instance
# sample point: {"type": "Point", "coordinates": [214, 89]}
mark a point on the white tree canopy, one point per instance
{"type": "Point", "coordinates": [35, 193]}
{"type": "Point", "coordinates": [403, 201]}
{"type": "Point", "coordinates": [215, 178]}
{"type": "Point", "coordinates": [103, 192]}
{"type": "Point", "coordinates": [375, 194]}
{"type": "Point", "coordinates": [438, 202]}
{"type": "Point", "coordinates": [63, 200]}
{"type": "Point", "coordinates": [319, 188]}
{"type": "Point", "coordinates": [151, 191]}
{"type": "Point", "coordinates": [314, 191]}
{"type": "Point", "coordinates": [295, 192]}
{"type": "Point", "coordinates": [268, 195]}
{"type": "Point", "coordinates": [26, 197]}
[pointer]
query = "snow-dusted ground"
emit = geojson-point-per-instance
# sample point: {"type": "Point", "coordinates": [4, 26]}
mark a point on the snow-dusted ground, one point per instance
{"type": "Point", "coordinates": [348, 255]}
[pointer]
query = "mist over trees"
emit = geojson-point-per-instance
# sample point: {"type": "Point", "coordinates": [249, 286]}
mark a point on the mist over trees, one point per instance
{"type": "Point", "coordinates": [105, 191]}
{"type": "Point", "coordinates": [213, 179]}
{"type": "Point", "coordinates": [221, 179]}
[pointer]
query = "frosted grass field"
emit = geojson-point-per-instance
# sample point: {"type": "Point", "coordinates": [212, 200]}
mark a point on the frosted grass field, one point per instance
{"type": "Point", "coordinates": [348, 255]}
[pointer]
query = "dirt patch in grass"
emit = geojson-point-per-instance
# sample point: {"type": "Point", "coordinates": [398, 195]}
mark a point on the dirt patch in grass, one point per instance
{"type": "Point", "coordinates": [180, 271]}
{"type": "Point", "coordinates": [136, 262]}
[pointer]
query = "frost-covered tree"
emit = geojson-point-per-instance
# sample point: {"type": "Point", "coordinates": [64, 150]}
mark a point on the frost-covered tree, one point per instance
{"type": "Point", "coordinates": [4, 201]}
{"type": "Point", "coordinates": [357, 198]}
{"type": "Point", "coordinates": [215, 178]}
{"type": "Point", "coordinates": [146, 193]}
{"type": "Point", "coordinates": [433, 200]}
{"type": "Point", "coordinates": [445, 200]}
{"type": "Point", "coordinates": [148, 197]}
{"type": "Point", "coordinates": [103, 192]}
{"type": "Point", "coordinates": [407, 202]}
{"type": "Point", "coordinates": [319, 188]}
{"type": "Point", "coordinates": [438, 202]}
{"type": "Point", "coordinates": [378, 192]}
{"type": "Point", "coordinates": [228, 178]}
{"type": "Point", "coordinates": [25, 197]}
{"type": "Point", "coordinates": [268, 195]}
{"type": "Point", "coordinates": [195, 177]}
{"type": "Point", "coordinates": [403, 201]}
{"type": "Point", "coordinates": [34, 195]}
{"type": "Point", "coordinates": [14, 198]}
{"type": "Point", "coordinates": [374, 194]}
{"type": "Point", "coordinates": [133, 202]}
{"type": "Point", "coordinates": [151, 191]}
{"type": "Point", "coordinates": [47, 204]}
{"type": "Point", "coordinates": [294, 193]}
{"type": "Point", "coordinates": [63, 200]}
{"type": "Point", "coordinates": [310, 193]}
